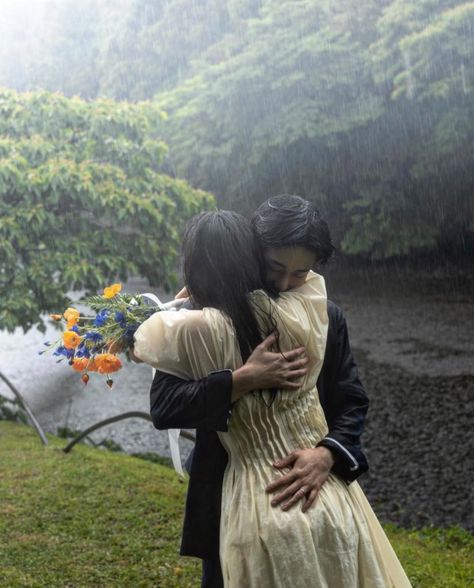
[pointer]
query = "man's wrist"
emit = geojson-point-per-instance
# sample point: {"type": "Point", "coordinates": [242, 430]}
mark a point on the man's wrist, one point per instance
{"type": "Point", "coordinates": [243, 382]}
{"type": "Point", "coordinates": [330, 456]}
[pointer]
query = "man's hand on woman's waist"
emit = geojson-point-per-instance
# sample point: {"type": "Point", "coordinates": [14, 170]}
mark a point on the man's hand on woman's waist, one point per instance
{"type": "Point", "coordinates": [310, 468]}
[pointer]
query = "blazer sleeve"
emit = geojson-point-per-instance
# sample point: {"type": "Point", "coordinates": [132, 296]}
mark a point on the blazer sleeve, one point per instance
{"type": "Point", "coordinates": [176, 403]}
{"type": "Point", "coordinates": [344, 400]}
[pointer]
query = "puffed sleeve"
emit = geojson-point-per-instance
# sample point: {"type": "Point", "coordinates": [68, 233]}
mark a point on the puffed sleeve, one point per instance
{"type": "Point", "coordinates": [184, 344]}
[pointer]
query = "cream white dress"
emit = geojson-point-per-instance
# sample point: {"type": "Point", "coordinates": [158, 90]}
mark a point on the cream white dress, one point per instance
{"type": "Point", "coordinates": [339, 542]}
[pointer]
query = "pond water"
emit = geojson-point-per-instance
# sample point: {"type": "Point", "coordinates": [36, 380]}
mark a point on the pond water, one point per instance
{"type": "Point", "coordinates": [59, 398]}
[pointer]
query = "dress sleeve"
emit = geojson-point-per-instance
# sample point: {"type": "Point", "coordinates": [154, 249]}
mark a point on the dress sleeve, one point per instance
{"type": "Point", "coordinates": [186, 344]}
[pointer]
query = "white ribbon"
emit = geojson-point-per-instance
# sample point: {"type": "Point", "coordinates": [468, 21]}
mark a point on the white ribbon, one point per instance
{"type": "Point", "coordinates": [173, 434]}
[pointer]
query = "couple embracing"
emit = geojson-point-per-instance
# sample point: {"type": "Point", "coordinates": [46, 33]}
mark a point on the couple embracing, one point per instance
{"type": "Point", "coordinates": [259, 363]}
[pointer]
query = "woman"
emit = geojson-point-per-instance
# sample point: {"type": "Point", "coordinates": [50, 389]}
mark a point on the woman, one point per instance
{"type": "Point", "coordinates": [337, 543]}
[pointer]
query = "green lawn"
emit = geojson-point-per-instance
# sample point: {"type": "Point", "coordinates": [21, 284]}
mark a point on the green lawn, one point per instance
{"type": "Point", "coordinates": [95, 518]}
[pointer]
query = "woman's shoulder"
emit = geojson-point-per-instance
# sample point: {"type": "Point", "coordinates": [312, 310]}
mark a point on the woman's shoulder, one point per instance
{"type": "Point", "coordinates": [164, 320]}
{"type": "Point", "coordinates": [313, 290]}
{"type": "Point", "coordinates": [315, 285]}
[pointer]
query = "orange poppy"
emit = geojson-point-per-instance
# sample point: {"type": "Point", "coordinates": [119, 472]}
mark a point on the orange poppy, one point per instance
{"type": "Point", "coordinates": [71, 339]}
{"type": "Point", "coordinates": [72, 316]}
{"type": "Point", "coordinates": [112, 290]}
{"type": "Point", "coordinates": [107, 363]}
{"type": "Point", "coordinates": [79, 364]}
{"type": "Point", "coordinates": [91, 365]}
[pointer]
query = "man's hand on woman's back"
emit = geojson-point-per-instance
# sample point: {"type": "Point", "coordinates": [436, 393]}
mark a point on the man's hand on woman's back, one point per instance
{"type": "Point", "coordinates": [266, 369]}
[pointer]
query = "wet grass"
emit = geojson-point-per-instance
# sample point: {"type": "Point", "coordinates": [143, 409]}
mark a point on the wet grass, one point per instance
{"type": "Point", "coordinates": [435, 558]}
{"type": "Point", "coordinates": [94, 518]}
{"type": "Point", "coordinates": [91, 518]}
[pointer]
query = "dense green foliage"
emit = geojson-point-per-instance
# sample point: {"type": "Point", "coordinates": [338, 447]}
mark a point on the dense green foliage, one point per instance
{"type": "Point", "coordinates": [81, 201]}
{"type": "Point", "coordinates": [364, 107]}
{"type": "Point", "coordinates": [96, 518]}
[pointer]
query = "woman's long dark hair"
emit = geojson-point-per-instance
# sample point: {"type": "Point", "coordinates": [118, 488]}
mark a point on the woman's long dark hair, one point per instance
{"type": "Point", "coordinates": [222, 264]}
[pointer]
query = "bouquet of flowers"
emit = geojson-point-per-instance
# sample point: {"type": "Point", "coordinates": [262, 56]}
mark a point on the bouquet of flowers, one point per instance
{"type": "Point", "coordinates": [92, 343]}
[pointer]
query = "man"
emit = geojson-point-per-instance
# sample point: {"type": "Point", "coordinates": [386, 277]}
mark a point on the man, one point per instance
{"type": "Point", "coordinates": [294, 239]}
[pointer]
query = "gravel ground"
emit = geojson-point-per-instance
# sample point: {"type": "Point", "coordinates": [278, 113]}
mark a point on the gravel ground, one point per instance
{"type": "Point", "coordinates": [412, 338]}
{"type": "Point", "coordinates": [419, 445]}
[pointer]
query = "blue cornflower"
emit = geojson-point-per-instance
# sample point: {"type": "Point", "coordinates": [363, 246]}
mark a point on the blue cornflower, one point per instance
{"type": "Point", "coordinates": [61, 351]}
{"type": "Point", "coordinates": [120, 319]}
{"type": "Point", "coordinates": [82, 350]}
{"type": "Point", "coordinates": [93, 336]}
{"type": "Point", "coordinates": [101, 317]}
{"type": "Point", "coordinates": [130, 331]}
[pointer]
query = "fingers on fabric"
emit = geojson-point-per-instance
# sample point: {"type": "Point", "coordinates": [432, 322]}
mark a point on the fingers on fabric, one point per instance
{"type": "Point", "coordinates": [183, 293]}
{"type": "Point", "coordinates": [292, 381]}
{"type": "Point", "coordinates": [300, 363]}
{"type": "Point", "coordinates": [288, 496]}
{"type": "Point", "coordinates": [285, 462]}
{"type": "Point", "coordinates": [294, 375]}
{"type": "Point", "coordinates": [282, 482]}
{"type": "Point", "coordinates": [310, 499]}
{"type": "Point", "coordinates": [268, 341]}
{"type": "Point", "coordinates": [290, 385]}
{"type": "Point", "coordinates": [297, 497]}
{"type": "Point", "coordinates": [294, 354]}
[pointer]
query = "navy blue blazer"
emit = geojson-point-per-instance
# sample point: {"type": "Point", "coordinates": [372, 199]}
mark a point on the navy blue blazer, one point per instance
{"type": "Point", "coordinates": [205, 405]}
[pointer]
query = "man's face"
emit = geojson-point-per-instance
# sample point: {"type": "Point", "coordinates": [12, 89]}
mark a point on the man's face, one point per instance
{"type": "Point", "coordinates": [287, 267]}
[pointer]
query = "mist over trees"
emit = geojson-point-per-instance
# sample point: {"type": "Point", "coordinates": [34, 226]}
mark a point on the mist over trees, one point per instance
{"type": "Point", "coordinates": [365, 107]}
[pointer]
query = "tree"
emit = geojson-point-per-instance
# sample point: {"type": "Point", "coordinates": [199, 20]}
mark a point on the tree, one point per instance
{"type": "Point", "coordinates": [81, 201]}
{"type": "Point", "coordinates": [288, 85]}
{"type": "Point", "coordinates": [150, 45]}
{"type": "Point", "coordinates": [365, 108]}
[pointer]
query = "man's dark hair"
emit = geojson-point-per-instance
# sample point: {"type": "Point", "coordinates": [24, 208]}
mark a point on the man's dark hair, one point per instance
{"type": "Point", "coordinates": [290, 221]}
{"type": "Point", "coordinates": [222, 264]}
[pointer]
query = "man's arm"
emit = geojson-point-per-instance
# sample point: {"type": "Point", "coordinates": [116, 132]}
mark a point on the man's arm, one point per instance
{"type": "Point", "coordinates": [206, 403]}
{"type": "Point", "coordinates": [344, 400]}
{"type": "Point", "coordinates": [191, 404]}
